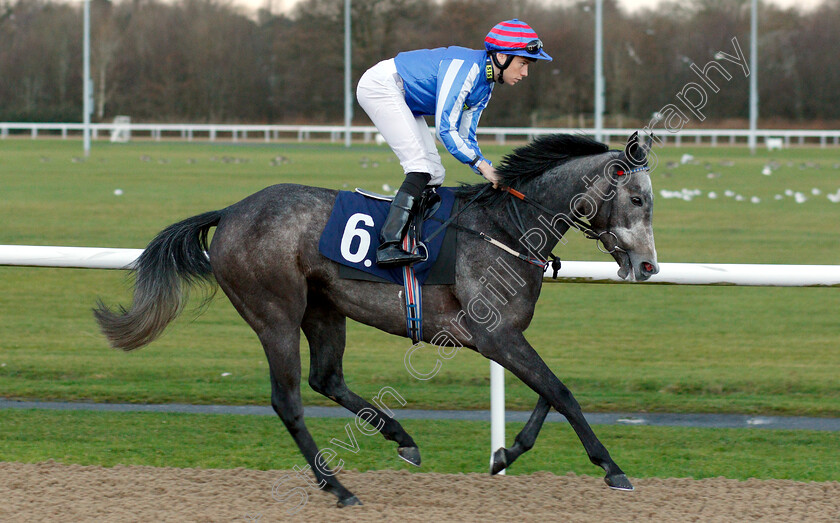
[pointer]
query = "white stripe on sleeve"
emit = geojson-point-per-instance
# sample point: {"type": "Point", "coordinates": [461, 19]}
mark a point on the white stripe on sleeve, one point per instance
{"type": "Point", "coordinates": [457, 107]}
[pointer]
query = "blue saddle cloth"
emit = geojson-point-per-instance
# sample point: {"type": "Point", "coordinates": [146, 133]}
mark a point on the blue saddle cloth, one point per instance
{"type": "Point", "coordinates": [351, 235]}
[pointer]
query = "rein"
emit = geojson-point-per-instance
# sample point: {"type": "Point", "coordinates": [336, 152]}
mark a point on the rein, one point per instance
{"type": "Point", "coordinates": [578, 224]}
{"type": "Point", "coordinates": [555, 261]}
{"type": "Point", "coordinates": [455, 216]}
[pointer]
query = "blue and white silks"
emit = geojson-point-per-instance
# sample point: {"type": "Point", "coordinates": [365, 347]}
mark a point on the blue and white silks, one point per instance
{"type": "Point", "coordinates": [449, 83]}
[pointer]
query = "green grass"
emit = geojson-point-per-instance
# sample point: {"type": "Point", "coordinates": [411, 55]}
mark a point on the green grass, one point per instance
{"type": "Point", "coordinates": [618, 347]}
{"type": "Point", "coordinates": [257, 442]}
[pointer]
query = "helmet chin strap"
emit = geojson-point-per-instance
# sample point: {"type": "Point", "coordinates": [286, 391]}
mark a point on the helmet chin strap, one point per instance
{"type": "Point", "coordinates": [502, 67]}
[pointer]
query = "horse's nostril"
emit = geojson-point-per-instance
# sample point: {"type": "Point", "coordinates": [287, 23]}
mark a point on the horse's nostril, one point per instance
{"type": "Point", "coordinates": [648, 267]}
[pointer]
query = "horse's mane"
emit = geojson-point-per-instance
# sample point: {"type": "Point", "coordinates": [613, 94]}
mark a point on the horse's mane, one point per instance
{"type": "Point", "coordinates": [532, 160]}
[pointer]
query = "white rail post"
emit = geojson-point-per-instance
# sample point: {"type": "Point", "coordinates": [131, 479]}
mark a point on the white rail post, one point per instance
{"type": "Point", "coordinates": [497, 409]}
{"type": "Point", "coordinates": [348, 93]}
{"type": "Point", "coordinates": [599, 70]}
{"type": "Point", "coordinates": [87, 87]}
{"type": "Point", "coordinates": [753, 75]}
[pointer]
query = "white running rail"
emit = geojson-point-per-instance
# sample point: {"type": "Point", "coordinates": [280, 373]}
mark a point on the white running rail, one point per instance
{"type": "Point", "coordinates": [571, 271]}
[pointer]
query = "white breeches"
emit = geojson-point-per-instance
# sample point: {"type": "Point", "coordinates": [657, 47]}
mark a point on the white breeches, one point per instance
{"type": "Point", "coordinates": [381, 94]}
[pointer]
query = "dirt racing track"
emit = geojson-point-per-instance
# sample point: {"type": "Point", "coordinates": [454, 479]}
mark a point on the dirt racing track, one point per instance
{"type": "Point", "coordinates": [55, 492]}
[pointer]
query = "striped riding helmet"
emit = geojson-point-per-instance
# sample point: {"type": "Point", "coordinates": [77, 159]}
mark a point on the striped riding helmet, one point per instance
{"type": "Point", "coordinates": [515, 37]}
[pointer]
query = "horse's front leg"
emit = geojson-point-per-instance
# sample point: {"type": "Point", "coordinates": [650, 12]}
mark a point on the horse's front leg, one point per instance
{"type": "Point", "coordinates": [503, 457]}
{"type": "Point", "coordinates": [508, 347]}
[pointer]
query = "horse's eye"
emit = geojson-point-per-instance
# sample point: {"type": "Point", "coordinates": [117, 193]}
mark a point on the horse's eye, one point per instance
{"type": "Point", "coordinates": [636, 201]}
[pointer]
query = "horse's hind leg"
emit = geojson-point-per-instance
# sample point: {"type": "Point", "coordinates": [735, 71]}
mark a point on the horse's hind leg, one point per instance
{"type": "Point", "coordinates": [325, 329]}
{"type": "Point", "coordinates": [503, 457]}
{"type": "Point", "coordinates": [283, 351]}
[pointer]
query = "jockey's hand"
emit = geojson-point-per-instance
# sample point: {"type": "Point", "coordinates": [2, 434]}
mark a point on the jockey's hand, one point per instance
{"type": "Point", "coordinates": [489, 173]}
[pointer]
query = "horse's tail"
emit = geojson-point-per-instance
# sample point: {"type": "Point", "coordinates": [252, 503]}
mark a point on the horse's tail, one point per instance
{"type": "Point", "coordinates": [173, 262]}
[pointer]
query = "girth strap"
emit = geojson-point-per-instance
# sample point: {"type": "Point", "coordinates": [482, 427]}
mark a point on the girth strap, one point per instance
{"type": "Point", "coordinates": [413, 295]}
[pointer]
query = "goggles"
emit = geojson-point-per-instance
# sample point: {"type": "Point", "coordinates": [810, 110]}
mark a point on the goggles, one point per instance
{"type": "Point", "coordinates": [534, 46]}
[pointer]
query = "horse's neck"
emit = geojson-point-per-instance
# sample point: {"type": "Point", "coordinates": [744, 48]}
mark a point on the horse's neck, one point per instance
{"type": "Point", "coordinates": [539, 230]}
{"type": "Point", "coordinates": [557, 189]}
{"type": "Point", "coordinates": [556, 193]}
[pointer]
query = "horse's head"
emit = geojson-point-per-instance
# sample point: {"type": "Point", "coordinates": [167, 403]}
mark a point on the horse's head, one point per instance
{"type": "Point", "coordinates": [623, 218]}
{"type": "Point", "coordinates": [570, 177]}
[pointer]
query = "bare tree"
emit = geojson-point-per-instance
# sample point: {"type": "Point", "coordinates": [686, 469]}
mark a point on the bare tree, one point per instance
{"type": "Point", "coordinates": [203, 60]}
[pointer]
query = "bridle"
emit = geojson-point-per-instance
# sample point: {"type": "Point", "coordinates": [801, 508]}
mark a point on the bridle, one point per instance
{"type": "Point", "coordinates": [513, 210]}
{"type": "Point", "coordinates": [586, 228]}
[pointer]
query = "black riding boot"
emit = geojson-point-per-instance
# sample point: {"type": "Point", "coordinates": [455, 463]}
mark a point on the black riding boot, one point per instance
{"type": "Point", "coordinates": [390, 252]}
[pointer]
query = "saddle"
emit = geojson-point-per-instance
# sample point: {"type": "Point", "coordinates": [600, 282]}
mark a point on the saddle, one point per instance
{"type": "Point", "coordinates": [350, 238]}
{"type": "Point", "coordinates": [429, 201]}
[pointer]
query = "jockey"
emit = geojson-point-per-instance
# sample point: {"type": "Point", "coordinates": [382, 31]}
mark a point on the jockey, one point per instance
{"type": "Point", "coordinates": [454, 84]}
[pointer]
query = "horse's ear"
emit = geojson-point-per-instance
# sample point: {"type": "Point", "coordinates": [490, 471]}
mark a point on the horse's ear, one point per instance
{"type": "Point", "coordinates": [635, 153]}
{"type": "Point", "coordinates": [651, 159]}
{"type": "Point", "coordinates": [649, 142]}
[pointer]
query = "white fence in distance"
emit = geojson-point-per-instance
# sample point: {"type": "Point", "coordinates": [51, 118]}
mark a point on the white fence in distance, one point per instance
{"type": "Point", "coordinates": [574, 271]}
{"type": "Point", "coordinates": [213, 132]}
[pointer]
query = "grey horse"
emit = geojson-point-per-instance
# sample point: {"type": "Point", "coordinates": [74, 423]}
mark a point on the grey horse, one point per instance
{"type": "Point", "coordinates": [264, 256]}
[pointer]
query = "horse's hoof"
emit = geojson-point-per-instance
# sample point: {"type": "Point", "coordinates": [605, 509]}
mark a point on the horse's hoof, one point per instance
{"type": "Point", "coordinates": [348, 502]}
{"type": "Point", "coordinates": [410, 454]}
{"type": "Point", "coordinates": [499, 462]}
{"type": "Point", "coordinates": [619, 482]}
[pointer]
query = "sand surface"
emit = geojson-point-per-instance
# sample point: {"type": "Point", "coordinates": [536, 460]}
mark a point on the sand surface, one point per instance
{"type": "Point", "coordinates": [52, 491]}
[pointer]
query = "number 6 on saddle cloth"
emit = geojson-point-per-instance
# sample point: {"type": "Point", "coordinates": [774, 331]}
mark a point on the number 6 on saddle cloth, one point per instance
{"type": "Point", "coordinates": [351, 235]}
